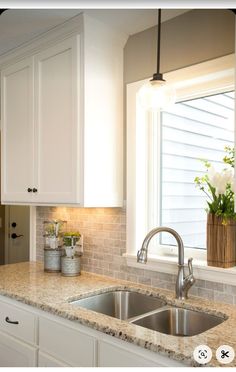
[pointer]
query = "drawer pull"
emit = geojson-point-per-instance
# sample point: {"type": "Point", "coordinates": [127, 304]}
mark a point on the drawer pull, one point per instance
{"type": "Point", "coordinates": [11, 321]}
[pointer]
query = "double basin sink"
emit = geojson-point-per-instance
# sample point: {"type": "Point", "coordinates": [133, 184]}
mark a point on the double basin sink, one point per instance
{"type": "Point", "coordinates": [150, 312]}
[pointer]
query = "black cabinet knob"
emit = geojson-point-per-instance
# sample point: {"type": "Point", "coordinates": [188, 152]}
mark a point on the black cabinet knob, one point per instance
{"type": "Point", "coordinates": [29, 189]}
{"type": "Point", "coordinates": [35, 190]}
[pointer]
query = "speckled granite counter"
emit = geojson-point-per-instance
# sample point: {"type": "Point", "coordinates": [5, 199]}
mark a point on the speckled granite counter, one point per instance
{"type": "Point", "coordinates": [27, 283]}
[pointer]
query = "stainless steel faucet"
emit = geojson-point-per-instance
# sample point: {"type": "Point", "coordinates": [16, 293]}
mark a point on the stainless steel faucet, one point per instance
{"type": "Point", "coordinates": [183, 283]}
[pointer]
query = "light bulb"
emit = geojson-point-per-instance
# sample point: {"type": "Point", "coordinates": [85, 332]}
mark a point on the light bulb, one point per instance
{"type": "Point", "coordinates": [156, 94]}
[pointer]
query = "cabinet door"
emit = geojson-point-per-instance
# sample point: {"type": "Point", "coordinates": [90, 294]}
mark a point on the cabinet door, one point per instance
{"type": "Point", "coordinates": [17, 131]}
{"type": "Point", "coordinates": [45, 360]}
{"type": "Point", "coordinates": [15, 353]}
{"type": "Point", "coordinates": [114, 356]}
{"type": "Point", "coordinates": [116, 353]}
{"type": "Point", "coordinates": [57, 136]}
{"type": "Point", "coordinates": [71, 346]}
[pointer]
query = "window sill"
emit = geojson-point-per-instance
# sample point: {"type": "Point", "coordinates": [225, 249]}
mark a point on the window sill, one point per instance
{"type": "Point", "coordinates": [169, 265]}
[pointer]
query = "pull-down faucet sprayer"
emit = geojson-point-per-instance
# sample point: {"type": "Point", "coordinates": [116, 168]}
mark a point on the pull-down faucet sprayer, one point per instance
{"type": "Point", "coordinates": [183, 283]}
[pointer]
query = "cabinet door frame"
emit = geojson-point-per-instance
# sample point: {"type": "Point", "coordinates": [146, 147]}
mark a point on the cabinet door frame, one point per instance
{"type": "Point", "coordinates": [74, 194]}
{"type": "Point", "coordinates": [43, 358]}
{"type": "Point", "coordinates": [24, 195]}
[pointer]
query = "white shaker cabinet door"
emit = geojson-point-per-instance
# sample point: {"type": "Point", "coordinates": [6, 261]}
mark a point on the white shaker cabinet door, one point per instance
{"type": "Point", "coordinates": [17, 132]}
{"type": "Point", "coordinates": [57, 127]}
{"type": "Point", "coordinates": [14, 353]}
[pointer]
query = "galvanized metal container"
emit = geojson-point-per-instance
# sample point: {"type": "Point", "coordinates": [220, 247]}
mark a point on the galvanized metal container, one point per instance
{"type": "Point", "coordinates": [52, 260]}
{"type": "Point", "coordinates": [70, 266]}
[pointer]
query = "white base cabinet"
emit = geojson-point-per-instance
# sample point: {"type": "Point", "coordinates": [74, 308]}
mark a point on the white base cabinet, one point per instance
{"type": "Point", "coordinates": [15, 353]}
{"type": "Point", "coordinates": [67, 342]}
{"type": "Point", "coordinates": [112, 355]}
{"type": "Point", "coordinates": [46, 360]}
{"type": "Point", "coordinates": [63, 343]}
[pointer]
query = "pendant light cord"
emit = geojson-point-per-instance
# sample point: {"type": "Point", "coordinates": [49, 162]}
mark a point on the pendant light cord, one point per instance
{"type": "Point", "coordinates": [158, 41]}
{"type": "Point", "coordinates": [157, 76]}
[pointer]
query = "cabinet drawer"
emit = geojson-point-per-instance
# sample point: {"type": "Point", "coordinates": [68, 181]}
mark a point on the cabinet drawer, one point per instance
{"type": "Point", "coordinates": [25, 328]}
{"type": "Point", "coordinates": [67, 343]}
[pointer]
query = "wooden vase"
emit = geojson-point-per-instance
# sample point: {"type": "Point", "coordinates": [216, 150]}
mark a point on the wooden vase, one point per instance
{"type": "Point", "coordinates": [221, 242]}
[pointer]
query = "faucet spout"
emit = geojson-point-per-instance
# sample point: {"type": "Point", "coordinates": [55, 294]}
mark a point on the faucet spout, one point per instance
{"type": "Point", "coordinates": [183, 283]}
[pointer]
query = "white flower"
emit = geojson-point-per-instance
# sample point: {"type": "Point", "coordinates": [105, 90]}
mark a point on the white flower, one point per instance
{"type": "Point", "coordinates": [220, 180]}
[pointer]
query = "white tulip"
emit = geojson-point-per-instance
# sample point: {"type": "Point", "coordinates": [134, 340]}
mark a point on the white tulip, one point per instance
{"type": "Point", "coordinates": [220, 180]}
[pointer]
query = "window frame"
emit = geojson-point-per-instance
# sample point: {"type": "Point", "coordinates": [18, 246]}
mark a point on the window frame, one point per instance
{"type": "Point", "coordinates": [208, 78]}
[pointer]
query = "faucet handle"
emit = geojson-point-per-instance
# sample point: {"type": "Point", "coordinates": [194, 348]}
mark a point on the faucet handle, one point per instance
{"type": "Point", "coordinates": [142, 256]}
{"type": "Point", "coordinates": [190, 266]}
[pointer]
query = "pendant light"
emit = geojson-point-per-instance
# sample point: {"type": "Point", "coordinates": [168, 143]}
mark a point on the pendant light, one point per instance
{"type": "Point", "coordinates": [156, 94]}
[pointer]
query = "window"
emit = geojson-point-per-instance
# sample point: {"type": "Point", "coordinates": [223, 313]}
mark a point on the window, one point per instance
{"type": "Point", "coordinates": [164, 152]}
{"type": "Point", "coordinates": [191, 130]}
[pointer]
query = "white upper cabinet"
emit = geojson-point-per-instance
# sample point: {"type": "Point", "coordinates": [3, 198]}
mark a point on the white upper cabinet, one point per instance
{"type": "Point", "coordinates": [62, 118]}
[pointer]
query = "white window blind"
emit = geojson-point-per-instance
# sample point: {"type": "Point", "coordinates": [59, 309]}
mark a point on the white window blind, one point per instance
{"type": "Point", "coordinates": [190, 131]}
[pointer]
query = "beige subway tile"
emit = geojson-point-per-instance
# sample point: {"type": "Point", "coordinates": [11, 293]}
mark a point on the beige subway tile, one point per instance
{"type": "Point", "coordinates": [144, 280]}
{"type": "Point", "coordinates": [114, 266]}
{"type": "Point", "coordinates": [215, 286]}
{"type": "Point", "coordinates": [200, 283]}
{"type": "Point", "coordinates": [230, 289]}
{"type": "Point", "coordinates": [131, 278]}
{"type": "Point", "coordinates": [223, 297]}
{"type": "Point", "coordinates": [97, 270]}
{"type": "Point", "coordinates": [206, 293]}
{"type": "Point", "coordinates": [109, 273]}
{"type": "Point", "coordinates": [119, 275]}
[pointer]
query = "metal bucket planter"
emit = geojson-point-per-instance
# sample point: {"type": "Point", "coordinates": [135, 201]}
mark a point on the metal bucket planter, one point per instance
{"type": "Point", "coordinates": [52, 260]}
{"type": "Point", "coordinates": [70, 266]}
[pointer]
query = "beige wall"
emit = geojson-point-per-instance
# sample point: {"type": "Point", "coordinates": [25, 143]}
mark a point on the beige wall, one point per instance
{"type": "Point", "coordinates": [193, 37]}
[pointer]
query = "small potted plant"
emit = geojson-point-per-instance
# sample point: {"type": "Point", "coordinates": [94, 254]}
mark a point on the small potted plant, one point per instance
{"type": "Point", "coordinates": [53, 242]}
{"type": "Point", "coordinates": [70, 262]}
{"type": "Point", "coordinates": [70, 239]}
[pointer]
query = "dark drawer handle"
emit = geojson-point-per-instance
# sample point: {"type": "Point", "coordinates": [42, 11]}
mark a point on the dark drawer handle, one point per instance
{"type": "Point", "coordinates": [35, 190]}
{"type": "Point", "coordinates": [11, 321]}
{"type": "Point", "coordinates": [15, 236]}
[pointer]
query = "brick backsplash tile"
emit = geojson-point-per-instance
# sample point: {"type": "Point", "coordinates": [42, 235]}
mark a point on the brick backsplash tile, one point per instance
{"type": "Point", "coordinates": [223, 297]}
{"type": "Point", "coordinates": [215, 286]}
{"type": "Point", "coordinates": [230, 289]}
{"type": "Point", "coordinates": [132, 278]}
{"type": "Point", "coordinates": [200, 283]}
{"type": "Point", "coordinates": [104, 231]}
{"type": "Point", "coordinates": [144, 280]}
{"type": "Point", "coordinates": [205, 293]}
{"type": "Point", "coordinates": [158, 283]}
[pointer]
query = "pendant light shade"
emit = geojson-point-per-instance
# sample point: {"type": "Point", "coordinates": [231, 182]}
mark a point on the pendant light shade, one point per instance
{"type": "Point", "coordinates": [156, 94]}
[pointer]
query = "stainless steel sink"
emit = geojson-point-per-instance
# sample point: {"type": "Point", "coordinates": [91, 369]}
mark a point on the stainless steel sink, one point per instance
{"type": "Point", "coordinates": [120, 304]}
{"type": "Point", "coordinates": [179, 322]}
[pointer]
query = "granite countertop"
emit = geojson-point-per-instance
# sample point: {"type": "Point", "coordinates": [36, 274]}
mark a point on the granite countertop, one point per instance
{"type": "Point", "coordinates": [28, 283]}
